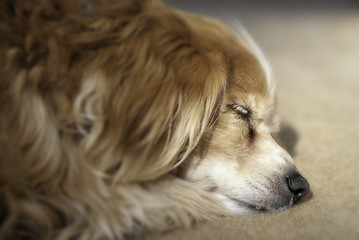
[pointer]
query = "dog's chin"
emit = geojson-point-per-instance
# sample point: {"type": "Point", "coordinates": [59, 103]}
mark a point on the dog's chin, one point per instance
{"type": "Point", "coordinates": [238, 206]}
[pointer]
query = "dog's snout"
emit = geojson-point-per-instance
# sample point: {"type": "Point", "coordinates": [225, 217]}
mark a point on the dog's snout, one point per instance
{"type": "Point", "coordinates": [298, 185]}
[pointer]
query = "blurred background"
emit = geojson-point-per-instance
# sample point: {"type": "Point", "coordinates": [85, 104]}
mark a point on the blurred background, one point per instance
{"type": "Point", "coordinates": [230, 4]}
{"type": "Point", "coordinates": [313, 47]}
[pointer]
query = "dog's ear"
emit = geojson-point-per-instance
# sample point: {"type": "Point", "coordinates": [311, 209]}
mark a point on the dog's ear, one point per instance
{"type": "Point", "coordinates": [157, 116]}
{"type": "Point", "coordinates": [159, 96]}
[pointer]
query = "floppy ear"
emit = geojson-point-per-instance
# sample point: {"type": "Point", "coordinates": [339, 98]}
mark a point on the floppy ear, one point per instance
{"type": "Point", "coordinates": [160, 95]}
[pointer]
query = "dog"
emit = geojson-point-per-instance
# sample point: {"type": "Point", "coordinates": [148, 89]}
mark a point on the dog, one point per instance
{"type": "Point", "coordinates": [124, 117]}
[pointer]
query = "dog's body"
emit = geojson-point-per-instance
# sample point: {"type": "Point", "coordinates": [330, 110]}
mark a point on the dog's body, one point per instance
{"type": "Point", "coordinates": [119, 117]}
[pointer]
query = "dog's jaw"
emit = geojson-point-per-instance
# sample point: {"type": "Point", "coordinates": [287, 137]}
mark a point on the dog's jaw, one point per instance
{"type": "Point", "coordinates": [237, 206]}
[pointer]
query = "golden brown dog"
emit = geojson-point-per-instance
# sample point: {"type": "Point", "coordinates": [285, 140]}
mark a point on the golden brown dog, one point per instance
{"type": "Point", "coordinates": [119, 117]}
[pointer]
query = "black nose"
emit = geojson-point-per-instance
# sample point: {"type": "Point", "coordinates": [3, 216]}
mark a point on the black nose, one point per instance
{"type": "Point", "coordinates": [298, 185]}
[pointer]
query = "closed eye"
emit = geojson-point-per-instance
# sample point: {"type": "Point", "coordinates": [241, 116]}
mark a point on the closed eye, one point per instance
{"type": "Point", "coordinates": [245, 113]}
{"type": "Point", "coordinates": [242, 110]}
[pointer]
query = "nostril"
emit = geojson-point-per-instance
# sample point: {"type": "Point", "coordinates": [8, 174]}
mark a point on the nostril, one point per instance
{"type": "Point", "coordinates": [298, 185]}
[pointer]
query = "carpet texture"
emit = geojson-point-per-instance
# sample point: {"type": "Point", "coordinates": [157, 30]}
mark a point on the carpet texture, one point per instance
{"type": "Point", "coordinates": [315, 57]}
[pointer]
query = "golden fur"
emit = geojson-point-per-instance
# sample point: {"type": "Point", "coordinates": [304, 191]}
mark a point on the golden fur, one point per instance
{"type": "Point", "coordinates": [107, 106]}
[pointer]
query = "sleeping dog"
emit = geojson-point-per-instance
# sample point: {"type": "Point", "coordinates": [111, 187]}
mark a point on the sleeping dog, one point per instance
{"type": "Point", "coordinates": [120, 117]}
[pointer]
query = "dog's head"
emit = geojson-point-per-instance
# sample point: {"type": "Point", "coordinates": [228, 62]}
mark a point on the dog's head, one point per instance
{"type": "Point", "coordinates": [238, 159]}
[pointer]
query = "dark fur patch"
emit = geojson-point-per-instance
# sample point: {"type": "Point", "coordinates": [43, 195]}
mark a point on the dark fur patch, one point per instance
{"type": "Point", "coordinates": [251, 133]}
{"type": "Point", "coordinates": [212, 188]}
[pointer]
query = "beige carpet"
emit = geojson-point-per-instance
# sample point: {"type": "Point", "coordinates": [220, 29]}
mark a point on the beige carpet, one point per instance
{"type": "Point", "coordinates": [315, 56]}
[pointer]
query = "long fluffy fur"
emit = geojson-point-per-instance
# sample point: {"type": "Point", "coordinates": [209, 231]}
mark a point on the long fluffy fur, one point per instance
{"type": "Point", "coordinates": [80, 158]}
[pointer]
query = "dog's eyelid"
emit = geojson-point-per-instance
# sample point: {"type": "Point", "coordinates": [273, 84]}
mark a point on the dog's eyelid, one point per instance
{"type": "Point", "coordinates": [241, 110]}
